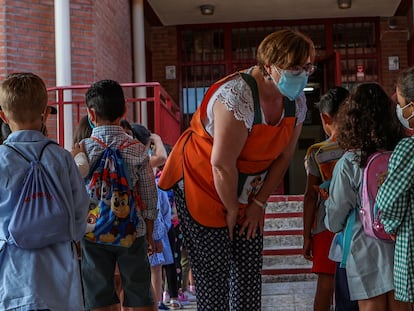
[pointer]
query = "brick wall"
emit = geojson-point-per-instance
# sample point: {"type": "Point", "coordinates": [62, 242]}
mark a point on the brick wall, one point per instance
{"type": "Point", "coordinates": [29, 38]}
{"type": "Point", "coordinates": [164, 51]}
{"type": "Point", "coordinates": [100, 42]}
{"type": "Point", "coordinates": [113, 48]}
{"type": "Point", "coordinates": [393, 43]}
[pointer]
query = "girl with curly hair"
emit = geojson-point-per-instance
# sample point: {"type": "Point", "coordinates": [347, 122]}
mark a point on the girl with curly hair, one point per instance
{"type": "Point", "coordinates": [368, 124]}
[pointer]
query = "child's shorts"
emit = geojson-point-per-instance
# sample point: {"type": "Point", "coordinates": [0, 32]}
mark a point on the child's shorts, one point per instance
{"type": "Point", "coordinates": [98, 270]}
{"type": "Point", "coordinates": [321, 245]}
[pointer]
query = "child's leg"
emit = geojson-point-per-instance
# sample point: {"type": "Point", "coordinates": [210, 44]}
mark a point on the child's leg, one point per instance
{"type": "Point", "coordinates": [156, 281]}
{"type": "Point", "coordinates": [324, 292]}
{"type": "Point", "coordinates": [98, 270]}
{"type": "Point", "coordinates": [191, 282]}
{"type": "Point", "coordinates": [395, 305]}
{"type": "Point", "coordinates": [378, 303]}
{"type": "Point", "coordinates": [325, 269]}
{"type": "Point", "coordinates": [342, 300]}
{"type": "Point", "coordinates": [135, 273]}
{"type": "Point", "coordinates": [118, 285]}
{"type": "Point", "coordinates": [185, 269]}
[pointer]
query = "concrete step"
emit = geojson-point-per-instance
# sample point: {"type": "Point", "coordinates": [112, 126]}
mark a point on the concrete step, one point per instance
{"type": "Point", "coordinates": [281, 223]}
{"type": "Point", "coordinates": [283, 240]}
{"type": "Point", "coordinates": [282, 261]}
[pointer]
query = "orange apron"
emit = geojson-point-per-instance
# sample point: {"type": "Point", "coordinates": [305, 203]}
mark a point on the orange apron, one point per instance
{"type": "Point", "coordinates": [190, 159]}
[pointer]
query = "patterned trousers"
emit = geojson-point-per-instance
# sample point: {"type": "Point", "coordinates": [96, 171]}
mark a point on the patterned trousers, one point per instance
{"type": "Point", "coordinates": [227, 273]}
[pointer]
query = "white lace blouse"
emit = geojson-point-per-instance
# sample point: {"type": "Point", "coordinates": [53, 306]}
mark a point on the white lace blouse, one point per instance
{"type": "Point", "coordinates": [237, 96]}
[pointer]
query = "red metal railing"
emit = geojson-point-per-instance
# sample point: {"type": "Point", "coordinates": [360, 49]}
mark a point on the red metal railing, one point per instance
{"type": "Point", "coordinates": [163, 114]}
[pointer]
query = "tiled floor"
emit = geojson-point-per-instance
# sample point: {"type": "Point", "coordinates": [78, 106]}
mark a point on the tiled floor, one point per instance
{"type": "Point", "coordinates": [284, 296]}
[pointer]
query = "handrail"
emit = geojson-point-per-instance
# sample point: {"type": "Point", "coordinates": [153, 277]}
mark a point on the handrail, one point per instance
{"type": "Point", "coordinates": [166, 117]}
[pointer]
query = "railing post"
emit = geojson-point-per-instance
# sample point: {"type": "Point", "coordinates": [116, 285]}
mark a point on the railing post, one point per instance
{"type": "Point", "coordinates": [157, 109]}
{"type": "Point", "coordinates": [61, 118]}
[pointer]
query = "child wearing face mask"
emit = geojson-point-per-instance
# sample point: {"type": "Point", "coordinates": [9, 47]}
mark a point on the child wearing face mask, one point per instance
{"type": "Point", "coordinates": [396, 196]}
{"type": "Point", "coordinates": [368, 125]}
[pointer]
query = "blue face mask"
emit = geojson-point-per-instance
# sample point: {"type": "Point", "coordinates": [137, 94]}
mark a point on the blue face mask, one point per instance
{"type": "Point", "coordinates": [291, 85]}
{"type": "Point", "coordinates": [91, 124]}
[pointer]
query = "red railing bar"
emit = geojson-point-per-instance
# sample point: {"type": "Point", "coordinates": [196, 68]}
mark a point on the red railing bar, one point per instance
{"type": "Point", "coordinates": [284, 215]}
{"type": "Point", "coordinates": [284, 251]}
{"type": "Point", "coordinates": [286, 271]}
{"type": "Point", "coordinates": [283, 232]}
{"type": "Point", "coordinates": [285, 198]}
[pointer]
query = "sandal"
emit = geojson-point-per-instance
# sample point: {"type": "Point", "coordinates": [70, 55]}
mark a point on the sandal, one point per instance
{"type": "Point", "coordinates": [175, 304]}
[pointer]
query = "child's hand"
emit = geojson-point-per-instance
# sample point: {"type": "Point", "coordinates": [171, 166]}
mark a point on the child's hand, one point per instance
{"type": "Point", "coordinates": [151, 245]}
{"type": "Point", "coordinates": [158, 247]}
{"type": "Point", "coordinates": [307, 249]}
{"type": "Point", "coordinates": [78, 148]}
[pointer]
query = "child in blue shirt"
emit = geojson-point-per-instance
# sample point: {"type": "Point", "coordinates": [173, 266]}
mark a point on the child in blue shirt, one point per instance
{"type": "Point", "coordinates": [45, 278]}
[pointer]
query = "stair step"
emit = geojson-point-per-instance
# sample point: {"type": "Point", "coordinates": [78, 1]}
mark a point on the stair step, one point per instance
{"type": "Point", "coordinates": [283, 240]}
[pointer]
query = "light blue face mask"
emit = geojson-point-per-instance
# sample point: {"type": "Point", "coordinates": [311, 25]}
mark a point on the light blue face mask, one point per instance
{"type": "Point", "coordinates": [91, 124]}
{"type": "Point", "coordinates": [405, 122]}
{"type": "Point", "coordinates": [291, 85]}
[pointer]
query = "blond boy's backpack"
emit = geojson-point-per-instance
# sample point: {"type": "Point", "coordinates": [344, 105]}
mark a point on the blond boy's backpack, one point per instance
{"type": "Point", "coordinates": [41, 214]}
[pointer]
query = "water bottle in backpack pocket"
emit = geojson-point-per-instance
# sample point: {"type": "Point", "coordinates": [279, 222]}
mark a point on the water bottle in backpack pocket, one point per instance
{"type": "Point", "coordinates": [374, 175]}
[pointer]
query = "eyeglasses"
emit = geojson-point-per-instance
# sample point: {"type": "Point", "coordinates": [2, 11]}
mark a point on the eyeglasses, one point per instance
{"type": "Point", "coordinates": [309, 69]}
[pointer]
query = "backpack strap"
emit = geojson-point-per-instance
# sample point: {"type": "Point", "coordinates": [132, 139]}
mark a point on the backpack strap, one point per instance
{"type": "Point", "coordinates": [25, 157]}
{"type": "Point", "coordinates": [347, 238]}
{"type": "Point", "coordinates": [124, 144]}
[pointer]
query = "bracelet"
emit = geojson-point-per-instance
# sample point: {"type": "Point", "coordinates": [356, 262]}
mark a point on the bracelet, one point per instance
{"type": "Point", "coordinates": [261, 204]}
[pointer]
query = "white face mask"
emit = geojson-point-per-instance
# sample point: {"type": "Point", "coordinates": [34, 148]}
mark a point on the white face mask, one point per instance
{"type": "Point", "coordinates": [405, 122]}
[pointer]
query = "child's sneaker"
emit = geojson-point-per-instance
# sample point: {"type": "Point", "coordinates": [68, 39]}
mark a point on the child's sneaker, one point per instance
{"type": "Point", "coordinates": [192, 289]}
{"type": "Point", "coordinates": [182, 298]}
{"type": "Point", "coordinates": [162, 306]}
{"type": "Point", "coordinates": [165, 297]}
{"type": "Point", "coordinates": [175, 304]}
{"type": "Point", "coordinates": [190, 296]}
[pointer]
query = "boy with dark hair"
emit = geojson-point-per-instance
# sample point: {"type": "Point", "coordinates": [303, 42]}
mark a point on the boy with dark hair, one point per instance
{"type": "Point", "coordinates": [319, 164]}
{"type": "Point", "coordinates": [46, 278]}
{"type": "Point", "coordinates": [106, 107]}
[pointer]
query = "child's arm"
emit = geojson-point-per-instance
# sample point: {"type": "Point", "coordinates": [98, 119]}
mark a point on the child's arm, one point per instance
{"type": "Point", "coordinates": [159, 155]}
{"type": "Point", "coordinates": [81, 160]}
{"type": "Point", "coordinates": [310, 201]}
{"type": "Point", "coordinates": [149, 224]}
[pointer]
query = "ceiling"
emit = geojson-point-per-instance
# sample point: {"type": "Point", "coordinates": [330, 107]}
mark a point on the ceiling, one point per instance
{"type": "Point", "coordinates": [181, 12]}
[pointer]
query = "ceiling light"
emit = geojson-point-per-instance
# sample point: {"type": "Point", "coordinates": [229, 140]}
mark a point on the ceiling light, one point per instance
{"type": "Point", "coordinates": [344, 4]}
{"type": "Point", "coordinates": [207, 9]}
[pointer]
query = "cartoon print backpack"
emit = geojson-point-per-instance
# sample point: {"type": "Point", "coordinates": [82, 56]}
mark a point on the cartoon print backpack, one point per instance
{"type": "Point", "coordinates": [374, 176]}
{"type": "Point", "coordinates": [112, 215]}
{"type": "Point", "coordinates": [326, 156]}
{"type": "Point", "coordinates": [41, 216]}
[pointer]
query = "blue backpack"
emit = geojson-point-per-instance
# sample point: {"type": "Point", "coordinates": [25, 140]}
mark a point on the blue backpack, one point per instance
{"type": "Point", "coordinates": [112, 216]}
{"type": "Point", "coordinates": [41, 216]}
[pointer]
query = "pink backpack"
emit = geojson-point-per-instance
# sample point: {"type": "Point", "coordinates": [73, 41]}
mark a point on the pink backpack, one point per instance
{"type": "Point", "coordinates": [374, 175]}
